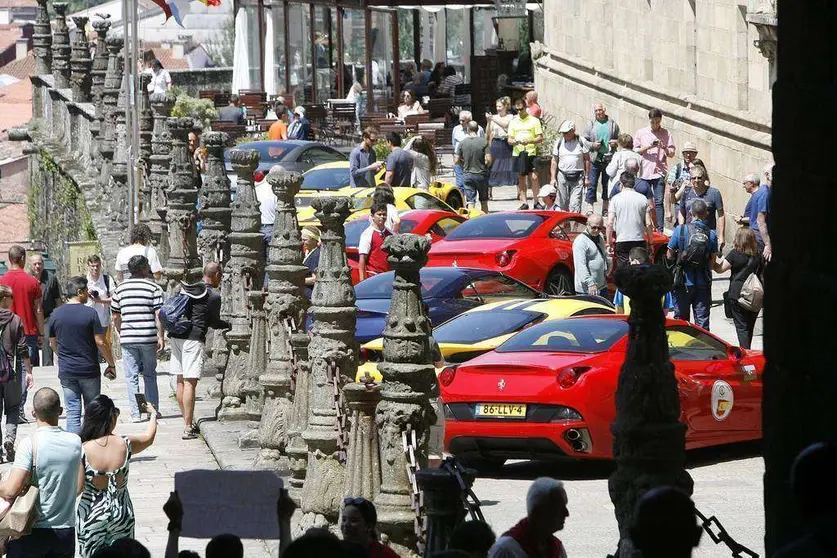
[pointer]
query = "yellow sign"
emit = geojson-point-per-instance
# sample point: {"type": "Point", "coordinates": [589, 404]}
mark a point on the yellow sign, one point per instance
{"type": "Point", "coordinates": [77, 256]}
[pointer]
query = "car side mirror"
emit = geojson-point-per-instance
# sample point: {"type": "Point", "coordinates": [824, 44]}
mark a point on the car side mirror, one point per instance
{"type": "Point", "coordinates": [735, 354]}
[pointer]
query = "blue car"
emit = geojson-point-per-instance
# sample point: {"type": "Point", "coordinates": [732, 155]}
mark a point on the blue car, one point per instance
{"type": "Point", "coordinates": [447, 292]}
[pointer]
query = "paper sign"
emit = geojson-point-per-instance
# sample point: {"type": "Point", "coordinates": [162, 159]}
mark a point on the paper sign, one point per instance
{"type": "Point", "coordinates": [241, 503]}
{"type": "Point", "coordinates": [77, 258]}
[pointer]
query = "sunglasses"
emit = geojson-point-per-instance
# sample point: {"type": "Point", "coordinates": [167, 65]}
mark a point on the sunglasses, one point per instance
{"type": "Point", "coordinates": [696, 177]}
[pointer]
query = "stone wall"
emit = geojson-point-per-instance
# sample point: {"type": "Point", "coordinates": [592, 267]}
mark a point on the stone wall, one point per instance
{"type": "Point", "coordinates": [693, 59]}
{"type": "Point", "coordinates": [192, 81]}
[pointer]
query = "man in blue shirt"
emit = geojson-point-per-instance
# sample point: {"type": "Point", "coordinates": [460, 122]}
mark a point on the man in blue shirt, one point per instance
{"type": "Point", "coordinates": [362, 163]}
{"type": "Point", "coordinates": [696, 290]}
{"type": "Point", "coordinates": [756, 210]}
{"type": "Point", "coordinates": [399, 163]}
{"type": "Point", "coordinates": [714, 204]}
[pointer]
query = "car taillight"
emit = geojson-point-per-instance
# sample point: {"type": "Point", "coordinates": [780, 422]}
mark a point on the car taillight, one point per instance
{"type": "Point", "coordinates": [258, 176]}
{"type": "Point", "coordinates": [447, 375]}
{"type": "Point", "coordinates": [364, 355]}
{"type": "Point", "coordinates": [568, 377]}
{"type": "Point", "coordinates": [504, 258]}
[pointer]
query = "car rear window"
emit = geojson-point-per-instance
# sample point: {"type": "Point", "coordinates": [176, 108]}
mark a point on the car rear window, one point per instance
{"type": "Point", "coordinates": [501, 225]}
{"type": "Point", "coordinates": [353, 231]}
{"type": "Point", "coordinates": [407, 226]}
{"type": "Point", "coordinates": [380, 286]}
{"type": "Point", "coordinates": [577, 335]}
{"type": "Point", "coordinates": [473, 327]}
{"type": "Point", "coordinates": [325, 179]}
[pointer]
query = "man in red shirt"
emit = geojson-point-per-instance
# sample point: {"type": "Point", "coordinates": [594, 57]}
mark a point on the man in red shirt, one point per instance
{"type": "Point", "coordinates": [373, 259]}
{"type": "Point", "coordinates": [26, 303]}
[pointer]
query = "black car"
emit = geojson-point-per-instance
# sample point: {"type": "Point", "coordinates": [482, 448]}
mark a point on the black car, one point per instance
{"type": "Point", "coordinates": [292, 155]}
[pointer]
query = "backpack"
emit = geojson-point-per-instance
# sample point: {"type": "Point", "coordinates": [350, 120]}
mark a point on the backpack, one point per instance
{"type": "Point", "coordinates": [695, 253]}
{"type": "Point", "coordinates": [8, 365]}
{"type": "Point", "coordinates": [175, 315]}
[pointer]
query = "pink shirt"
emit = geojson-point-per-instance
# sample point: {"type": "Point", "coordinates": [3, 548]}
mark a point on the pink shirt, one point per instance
{"type": "Point", "coordinates": [655, 160]}
{"type": "Point", "coordinates": [534, 109]}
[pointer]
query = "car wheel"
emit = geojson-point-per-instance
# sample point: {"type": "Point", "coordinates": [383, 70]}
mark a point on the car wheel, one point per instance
{"type": "Point", "coordinates": [455, 200]}
{"type": "Point", "coordinates": [483, 465]}
{"type": "Point", "coordinates": [559, 283]}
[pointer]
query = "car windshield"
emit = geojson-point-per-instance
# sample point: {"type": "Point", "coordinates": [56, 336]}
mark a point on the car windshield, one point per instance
{"type": "Point", "coordinates": [407, 226]}
{"type": "Point", "coordinates": [269, 152]}
{"type": "Point", "coordinates": [353, 231]}
{"type": "Point", "coordinates": [433, 281]}
{"type": "Point", "coordinates": [325, 179]}
{"type": "Point", "coordinates": [473, 327]}
{"type": "Point", "coordinates": [568, 336]}
{"type": "Point", "coordinates": [499, 225]}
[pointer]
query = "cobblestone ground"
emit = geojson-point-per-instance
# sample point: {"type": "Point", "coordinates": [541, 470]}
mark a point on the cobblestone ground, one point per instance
{"type": "Point", "coordinates": [728, 482]}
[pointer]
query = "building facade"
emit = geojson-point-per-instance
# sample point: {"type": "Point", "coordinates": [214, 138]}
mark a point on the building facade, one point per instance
{"type": "Point", "coordinates": [709, 65]}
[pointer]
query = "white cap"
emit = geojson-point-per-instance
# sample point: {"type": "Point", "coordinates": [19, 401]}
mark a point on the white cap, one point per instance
{"type": "Point", "coordinates": [547, 190]}
{"type": "Point", "coordinates": [566, 126]}
{"type": "Point", "coordinates": [689, 146]}
{"type": "Point", "coordinates": [300, 111]}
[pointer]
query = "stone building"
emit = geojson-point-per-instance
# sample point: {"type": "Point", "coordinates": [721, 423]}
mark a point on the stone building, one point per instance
{"type": "Point", "coordinates": [709, 65]}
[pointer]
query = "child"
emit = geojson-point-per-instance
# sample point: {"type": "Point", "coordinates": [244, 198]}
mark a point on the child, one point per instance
{"type": "Point", "coordinates": [383, 194]}
{"type": "Point", "coordinates": [373, 259]}
{"type": "Point", "coordinates": [639, 256]}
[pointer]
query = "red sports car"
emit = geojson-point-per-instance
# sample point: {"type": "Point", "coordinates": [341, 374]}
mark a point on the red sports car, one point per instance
{"type": "Point", "coordinates": [431, 222]}
{"type": "Point", "coordinates": [534, 247]}
{"type": "Point", "coordinates": [548, 392]}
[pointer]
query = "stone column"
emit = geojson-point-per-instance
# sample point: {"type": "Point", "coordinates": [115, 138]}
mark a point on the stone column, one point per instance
{"type": "Point", "coordinates": [146, 130]}
{"type": "Point", "coordinates": [407, 375]}
{"type": "Point", "coordinates": [332, 344]}
{"type": "Point", "coordinates": [251, 392]}
{"type": "Point", "coordinates": [181, 212]}
{"type": "Point", "coordinates": [649, 441]}
{"type": "Point", "coordinates": [61, 47]}
{"type": "Point", "coordinates": [363, 457]}
{"type": "Point", "coordinates": [121, 204]}
{"type": "Point", "coordinates": [110, 95]}
{"type": "Point", "coordinates": [100, 59]}
{"type": "Point", "coordinates": [158, 175]}
{"type": "Point", "coordinates": [245, 272]}
{"type": "Point", "coordinates": [42, 40]}
{"type": "Point", "coordinates": [297, 448]}
{"type": "Point", "coordinates": [80, 63]}
{"type": "Point", "coordinates": [287, 305]}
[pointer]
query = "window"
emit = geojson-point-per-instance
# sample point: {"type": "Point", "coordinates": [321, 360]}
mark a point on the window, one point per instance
{"type": "Point", "coordinates": [407, 226]}
{"type": "Point", "coordinates": [353, 231]}
{"type": "Point", "coordinates": [593, 311]}
{"type": "Point", "coordinates": [320, 155]}
{"type": "Point", "coordinates": [568, 230]}
{"type": "Point", "coordinates": [578, 335]}
{"type": "Point", "coordinates": [493, 288]}
{"type": "Point", "coordinates": [325, 179]}
{"type": "Point", "coordinates": [425, 201]}
{"type": "Point", "coordinates": [444, 226]}
{"type": "Point", "coordinates": [498, 225]}
{"type": "Point", "coordinates": [473, 327]}
{"type": "Point", "coordinates": [433, 280]}
{"type": "Point", "coordinates": [688, 343]}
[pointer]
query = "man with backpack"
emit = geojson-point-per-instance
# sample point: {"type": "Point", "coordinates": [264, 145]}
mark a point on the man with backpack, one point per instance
{"type": "Point", "coordinates": [201, 311]}
{"type": "Point", "coordinates": [695, 247]}
{"type": "Point", "coordinates": [136, 307]}
{"type": "Point", "coordinates": [14, 357]}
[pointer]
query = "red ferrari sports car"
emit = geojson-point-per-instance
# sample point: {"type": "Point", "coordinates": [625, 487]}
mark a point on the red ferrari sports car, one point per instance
{"type": "Point", "coordinates": [548, 392]}
{"type": "Point", "coordinates": [431, 222]}
{"type": "Point", "coordinates": [534, 247]}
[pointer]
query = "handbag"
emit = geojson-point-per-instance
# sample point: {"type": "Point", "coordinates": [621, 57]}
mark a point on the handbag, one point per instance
{"type": "Point", "coordinates": [752, 294]}
{"type": "Point", "coordinates": [20, 517]}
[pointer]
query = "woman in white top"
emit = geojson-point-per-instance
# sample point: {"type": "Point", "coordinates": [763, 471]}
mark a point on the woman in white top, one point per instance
{"type": "Point", "coordinates": [624, 153]}
{"type": "Point", "coordinates": [424, 161]}
{"type": "Point", "coordinates": [409, 106]}
{"type": "Point", "coordinates": [160, 78]}
{"type": "Point", "coordinates": [496, 133]}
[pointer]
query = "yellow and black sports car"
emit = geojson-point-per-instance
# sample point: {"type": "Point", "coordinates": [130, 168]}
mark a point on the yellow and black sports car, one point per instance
{"type": "Point", "coordinates": [485, 327]}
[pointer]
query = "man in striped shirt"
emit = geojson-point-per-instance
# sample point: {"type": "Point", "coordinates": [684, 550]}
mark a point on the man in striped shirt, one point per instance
{"type": "Point", "coordinates": [136, 307]}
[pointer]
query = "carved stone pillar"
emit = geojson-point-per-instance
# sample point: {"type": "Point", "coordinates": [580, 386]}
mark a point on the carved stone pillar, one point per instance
{"type": "Point", "coordinates": [251, 391]}
{"type": "Point", "coordinates": [121, 203]}
{"type": "Point", "coordinates": [100, 60]}
{"type": "Point", "coordinates": [42, 40]}
{"type": "Point", "coordinates": [61, 47]}
{"type": "Point", "coordinates": [407, 375]}
{"type": "Point", "coordinates": [649, 441]}
{"type": "Point", "coordinates": [363, 458]}
{"type": "Point", "coordinates": [181, 212]}
{"type": "Point", "coordinates": [158, 175]}
{"type": "Point", "coordinates": [245, 272]}
{"type": "Point", "coordinates": [110, 95]}
{"type": "Point", "coordinates": [297, 448]}
{"type": "Point", "coordinates": [332, 353]}
{"type": "Point", "coordinates": [80, 63]}
{"type": "Point", "coordinates": [287, 305]}
{"type": "Point", "coordinates": [146, 130]}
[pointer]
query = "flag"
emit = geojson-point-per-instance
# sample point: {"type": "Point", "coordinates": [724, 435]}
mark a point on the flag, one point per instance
{"type": "Point", "coordinates": [211, 3]}
{"type": "Point", "coordinates": [164, 7]}
{"type": "Point", "coordinates": [177, 8]}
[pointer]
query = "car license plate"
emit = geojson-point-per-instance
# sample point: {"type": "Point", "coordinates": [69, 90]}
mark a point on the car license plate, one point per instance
{"type": "Point", "coordinates": [500, 410]}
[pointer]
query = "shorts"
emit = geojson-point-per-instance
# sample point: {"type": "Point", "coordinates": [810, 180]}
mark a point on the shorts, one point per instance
{"type": "Point", "coordinates": [475, 185]}
{"type": "Point", "coordinates": [524, 163]}
{"type": "Point", "coordinates": [186, 358]}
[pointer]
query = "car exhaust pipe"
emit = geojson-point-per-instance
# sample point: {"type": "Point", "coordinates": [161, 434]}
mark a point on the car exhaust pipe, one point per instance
{"type": "Point", "coordinates": [578, 439]}
{"type": "Point", "coordinates": [573, 435]}
{"type": "Point", "coordinates": [578, 445]}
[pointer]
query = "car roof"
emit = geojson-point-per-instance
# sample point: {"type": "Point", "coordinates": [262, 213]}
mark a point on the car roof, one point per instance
{"type": "Point", "coordinates": [541, 212]}
{"type": "Point", "coordinates": [422, 214]}
{"type": "Point", "coordinates": [547, 306]}
{"type": "Point", "coordinates": [624, 318]}
{"type": "Point", "coordinates": [282, 143]}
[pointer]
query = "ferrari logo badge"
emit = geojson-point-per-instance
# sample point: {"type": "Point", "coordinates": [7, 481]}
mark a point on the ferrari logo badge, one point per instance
{"type": "Point", "coordinates": [501, 385]}
{"type": "Point", "coordinates": [454, 264]}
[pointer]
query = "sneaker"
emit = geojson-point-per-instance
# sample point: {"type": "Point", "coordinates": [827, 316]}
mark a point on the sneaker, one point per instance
{"type": "Point", "coordinates": [538, 206]}
{"type": "Point", "coordinates": [195, 428]}
{"type": "Point", "coordinates": [9, 450]}
{"type": "Point", "coordinates": [189, 434]}
{"type": "Point", "coordinates": [523, 206]}
{"type": "Point", "coordinates": [21, 418]}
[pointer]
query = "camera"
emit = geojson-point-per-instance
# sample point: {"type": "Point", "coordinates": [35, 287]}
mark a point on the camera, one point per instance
{"type": "Point", "coordinates": [94, 294]}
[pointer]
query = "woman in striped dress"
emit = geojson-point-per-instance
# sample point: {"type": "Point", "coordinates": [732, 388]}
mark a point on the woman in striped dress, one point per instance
{"type": "Point", "coordinates": [105, 513]}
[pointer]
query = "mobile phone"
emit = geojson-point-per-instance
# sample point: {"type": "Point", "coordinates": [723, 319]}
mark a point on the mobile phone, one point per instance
{"type": "Point", "coordinates": [142, 402]}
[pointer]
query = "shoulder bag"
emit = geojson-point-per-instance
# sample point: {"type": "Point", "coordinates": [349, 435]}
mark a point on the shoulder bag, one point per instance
{"type": "Point", "coordinates": [752, 293]}
{"type": "Point", "coordinates": [20, 517]}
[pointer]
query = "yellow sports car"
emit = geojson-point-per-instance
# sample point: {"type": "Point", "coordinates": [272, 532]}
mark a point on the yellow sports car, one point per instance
{"type": "Point", "coordinates": [485, 327]}
{"type": "Point", "coordinates": [330, 177]}
{"type": "Point", "coordinates": [405, 199]}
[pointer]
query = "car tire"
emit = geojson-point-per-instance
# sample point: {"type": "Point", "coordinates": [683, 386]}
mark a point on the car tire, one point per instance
{"type": "Point", "coordinates": [455, 200]}
{"type": "Point", "coordinates": [559, 282]}
{"type": "Point", "coordinates": [483, 465]}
